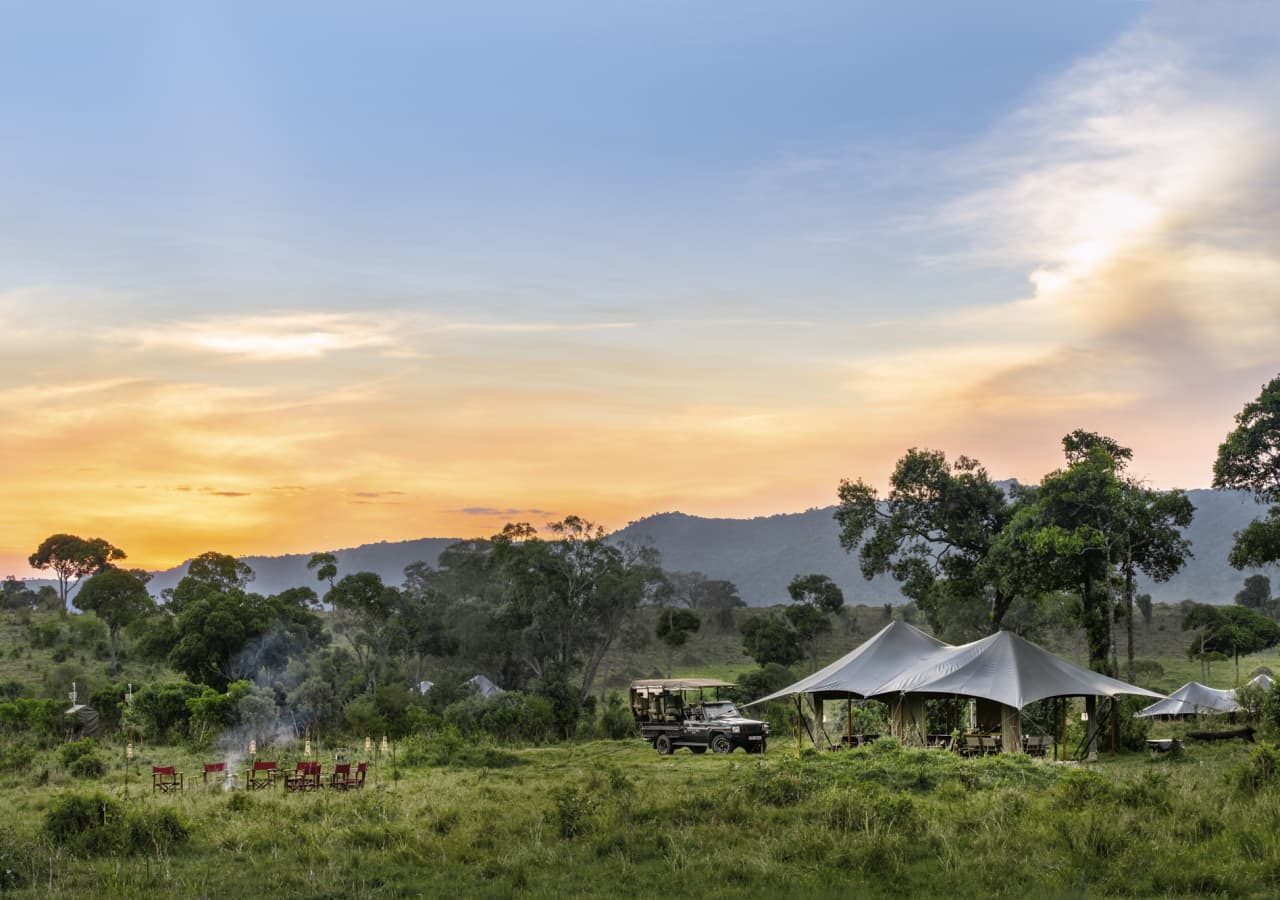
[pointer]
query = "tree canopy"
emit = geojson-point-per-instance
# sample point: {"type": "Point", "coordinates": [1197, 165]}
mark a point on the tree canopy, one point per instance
{"type": "Point", "coordinates": [934, 533]}
{"type": "Point", "coordinates": [1249, 460]}
{"type": "Point", "coordinates": [118, 598]}
{"type": "Point", "coordinates": [72, 557]}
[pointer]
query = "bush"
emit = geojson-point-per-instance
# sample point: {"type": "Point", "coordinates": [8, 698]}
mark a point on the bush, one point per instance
{"type": "Point", "coordinates": [1262, 770]}
{"type": "Point", "coordinates": [94, 824]}
{"type": "Point", "coordinates": [74, 750]}
{"type": "Point", "coordinates": [573, 811]}
{"type": "Point", "coordinates": [162, 708]}
{"type": "Point", "coordinates": [81, 821]}
{"type": "Point", "coordinates": [16, 756]}
{"type": "Point", "coordinates": [616, 720]}
{"type": "Point", "coordinates": [88, 767]}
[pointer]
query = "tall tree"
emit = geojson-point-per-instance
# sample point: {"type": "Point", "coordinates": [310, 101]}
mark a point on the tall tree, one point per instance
{"type": "Point", "coordinates": [1068, 536]}
{"type": "Point", "coordinates": [365, 614]}
{"type": "Point", "coordinates": [72, 557]}
{"type": "Point", "coordinates": [565, 600]}
{"type": "Point", "coordinates": [816, 598]}
{"type": "Point", "coordinates": [325, 566]}
{"type": "Point", "coordinates": [1151, 541]}
{"type": "Point", "coordinates": [771, 639]}
{"type": "Point", "coordinates": [1249, 460]}
{"type": "Point", "coordinates": [934, 533]}
{"type": "Point", "coordinates": [118, 598]}
{"type": "Point", "coordinates": [674, 627]}
{"type": "Point", "coordinates": [1256, 595]}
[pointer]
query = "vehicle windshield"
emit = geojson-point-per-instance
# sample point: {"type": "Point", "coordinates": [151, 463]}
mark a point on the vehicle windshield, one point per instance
{"type": "Point", "coordinates": [721, 710]}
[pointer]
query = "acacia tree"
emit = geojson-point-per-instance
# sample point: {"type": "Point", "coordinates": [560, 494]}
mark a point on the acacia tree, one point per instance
{"type": "Point", "coordinates": [674, 628]}
{"type": "Point", "coordinates": [816, 598]}
{"type": "Point", "coordinates": [934, 533]}
{"type": "Point", "coordinates": [1249, 460]}
{"type": "Point", "coordinates": [73, 557]}
{"type": "Point", "coordinates": [1229, 630]}
{"type": "Point", "coordinates": [118, 598]}
{"type": "Point", "coordinates": [365, 614]}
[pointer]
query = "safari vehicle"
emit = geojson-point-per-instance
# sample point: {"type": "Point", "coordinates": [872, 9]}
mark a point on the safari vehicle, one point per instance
{"type": "Point", "coordinates": [675, 712]}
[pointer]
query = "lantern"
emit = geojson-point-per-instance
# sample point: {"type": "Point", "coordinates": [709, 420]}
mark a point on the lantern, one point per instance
{"type": "Point", "coordinates": [384, 744]}
{"type": "Point", "coordinates": [128, 750]}
{"type": "Point", "coordinates": [368, 744]}
{"type": "Point", "coordinates": [306, 748]}
{"type": "Point", "coordinates": [253, 748]}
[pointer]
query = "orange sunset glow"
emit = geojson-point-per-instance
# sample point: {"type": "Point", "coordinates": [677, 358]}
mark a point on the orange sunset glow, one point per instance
{"type": "Point", "coordinates": [304, 353]}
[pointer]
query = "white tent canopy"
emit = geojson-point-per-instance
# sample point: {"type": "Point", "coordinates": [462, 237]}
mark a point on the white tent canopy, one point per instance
{"type": "Point", "coordinates": [1004, 668]}
{"type": "Point", "coordinates": [1193, 698]}
{"type": "Point", "coordinates": [857, 673]}
{"type": "Point", "coordinates": [1261, 680]}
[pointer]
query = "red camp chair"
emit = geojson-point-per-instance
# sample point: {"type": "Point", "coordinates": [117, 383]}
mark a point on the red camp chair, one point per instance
{"type": "Point", "coordinates": [262, 775]}
{"type": "Point", "coordinates": [165, 779]}
{"type": "Point", "coordinates": [340, 780]}
{"type": "Point", "coordinates": [218, 769]}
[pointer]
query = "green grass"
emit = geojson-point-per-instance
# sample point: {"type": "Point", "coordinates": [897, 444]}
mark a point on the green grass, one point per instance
{"type": "Point", "coordinates": [605, 818]}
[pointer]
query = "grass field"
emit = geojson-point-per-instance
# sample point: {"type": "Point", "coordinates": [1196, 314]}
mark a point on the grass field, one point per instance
{"type": "Point", "coordinates": [603, 818]}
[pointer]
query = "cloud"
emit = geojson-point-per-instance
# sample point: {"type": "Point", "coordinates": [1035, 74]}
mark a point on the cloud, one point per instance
{"type": "Point", "coordinates": [489, 511]}
{"type": "Point", "coordinates": [1138, 191]}
{"type": "Point", "coordinates": [279, 336]}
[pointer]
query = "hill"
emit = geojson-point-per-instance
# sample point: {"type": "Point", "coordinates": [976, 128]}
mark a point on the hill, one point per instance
{"type": "Point", "coordinates": [761, 555]}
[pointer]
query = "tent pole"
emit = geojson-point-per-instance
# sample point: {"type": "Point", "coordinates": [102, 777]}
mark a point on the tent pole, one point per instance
{"type": "Point", "coordinates": [848, 720]}
{"type": "Point", "coordinates": [817, 718]}
{"type": "Point", "coordinates": [1115, 725]}
{"type": "Point", "coordinates": [800, 713]}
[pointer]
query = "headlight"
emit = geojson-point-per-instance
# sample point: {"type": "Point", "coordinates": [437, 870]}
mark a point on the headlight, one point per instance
{"type": "Point", "coordinates": [736, 729]}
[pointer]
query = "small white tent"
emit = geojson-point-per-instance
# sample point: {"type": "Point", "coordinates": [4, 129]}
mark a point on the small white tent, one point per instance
{"type": "Point", "coordinates": [1261, 680]}
{"type": "Point", "coordinates": [1191, 699]}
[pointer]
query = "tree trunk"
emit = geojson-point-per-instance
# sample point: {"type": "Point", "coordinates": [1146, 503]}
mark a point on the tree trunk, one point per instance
{"type": "Point", "coordinates": [1111, 618]}
{"type": "Point", "coordinates": [1128, 601]}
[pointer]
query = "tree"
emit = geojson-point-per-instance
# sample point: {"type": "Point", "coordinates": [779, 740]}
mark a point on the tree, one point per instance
{"type": "Point", "coordinates": [222, 632]}
{"type": "Point", "coordinates": [817, 597]}
{"type": "Point", "coordinates": [1151, 541]}
{"type": "Point", "coordinates": [73, 557]}
{"type": "Point", "coordinates": [933, 533]}
{"type": "Point", "coordinates": [1256, 595]}
{"type": "Point", "coordinates": [1144, 606]}
{"type": "Point", "coordinates": [325, 566]}
{"type": "Point", "coordinates": [771, 639]}
{"type": "Point", "coordinates": [1229, 630]}
{"type": "Point", "coordinates": [1068, 536]}
{"type": "Point", "coordinates": [713, 596]}
{"type": "Point", "coordinates": [564, 601]}
{"type": "Point", "coordinates": [1249, 460]}
{"type": "Point", "coordinates": [117, 597]}
{"type": "Point", "coordinates": [363, 613]}
{"type": "Point", "coordinates": [219, 570]}
{"type": "Point", "coordinates": [673, 629]}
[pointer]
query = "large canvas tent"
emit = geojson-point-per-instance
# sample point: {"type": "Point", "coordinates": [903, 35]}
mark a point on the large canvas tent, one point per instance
{"type": "Point", "coordinates": [1006, 669]}
{"type": "Point", "coordinates": [1003, 669]}
{"type": "Point", "coordinates": [859, 672]}
{"type": "Point", "coordinates": [1193, 698]}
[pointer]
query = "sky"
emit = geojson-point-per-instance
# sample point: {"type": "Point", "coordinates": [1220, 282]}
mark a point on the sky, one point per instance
{"type": "Point", "coordinates": [287, 277]}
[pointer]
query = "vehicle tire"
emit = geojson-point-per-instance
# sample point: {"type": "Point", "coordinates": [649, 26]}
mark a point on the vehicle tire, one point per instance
{"type": "Point", "coordinates": [721, 744]}
{"type": "Point", "coordinates": [698, 750]}
{"type": "Point", "coordinates": [662, 743]}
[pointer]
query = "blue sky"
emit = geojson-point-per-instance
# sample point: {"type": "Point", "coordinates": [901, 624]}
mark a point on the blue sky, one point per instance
{"type": "Point", "coordinates": [295, 276]}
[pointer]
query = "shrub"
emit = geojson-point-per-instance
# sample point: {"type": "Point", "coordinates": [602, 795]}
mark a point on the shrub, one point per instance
{"type": "Point", "coordinates": [573, 811]}
{"type": "Point", "coordinates": [16, 756]}
{"type": "Point", "coordinates": [73, 750]}
{"type": "Point", "coordinates": [80, 820]}
{"type": "Point", "coordinates": [90, 766]}
{"type": "Point", "coordinates": [1261, 770]}
{"type": "Point", "coordinates": [94, 824]}
{"type": "Point", "coordinates": [163, 707]}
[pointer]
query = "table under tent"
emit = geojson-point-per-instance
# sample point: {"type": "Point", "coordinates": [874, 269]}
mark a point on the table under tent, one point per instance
{"type": "Point", "coordinates": [904, 668]}
{"type": "Point", "coordinates": [1192, 699]}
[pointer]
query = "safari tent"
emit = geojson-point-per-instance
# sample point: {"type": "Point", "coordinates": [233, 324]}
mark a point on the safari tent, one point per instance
{"type": "Point", "coordinates": [1193, 698]}
{"type": "Point", "coordinates": [1001, 668]}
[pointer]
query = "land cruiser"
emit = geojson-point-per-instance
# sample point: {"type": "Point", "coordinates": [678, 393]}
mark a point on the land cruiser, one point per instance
{"type": "Point", "coordinates": [675, 712]}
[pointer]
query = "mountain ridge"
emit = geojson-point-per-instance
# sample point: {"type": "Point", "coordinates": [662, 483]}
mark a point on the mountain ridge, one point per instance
{"type": "Point", "coordinates": [762, 554]}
